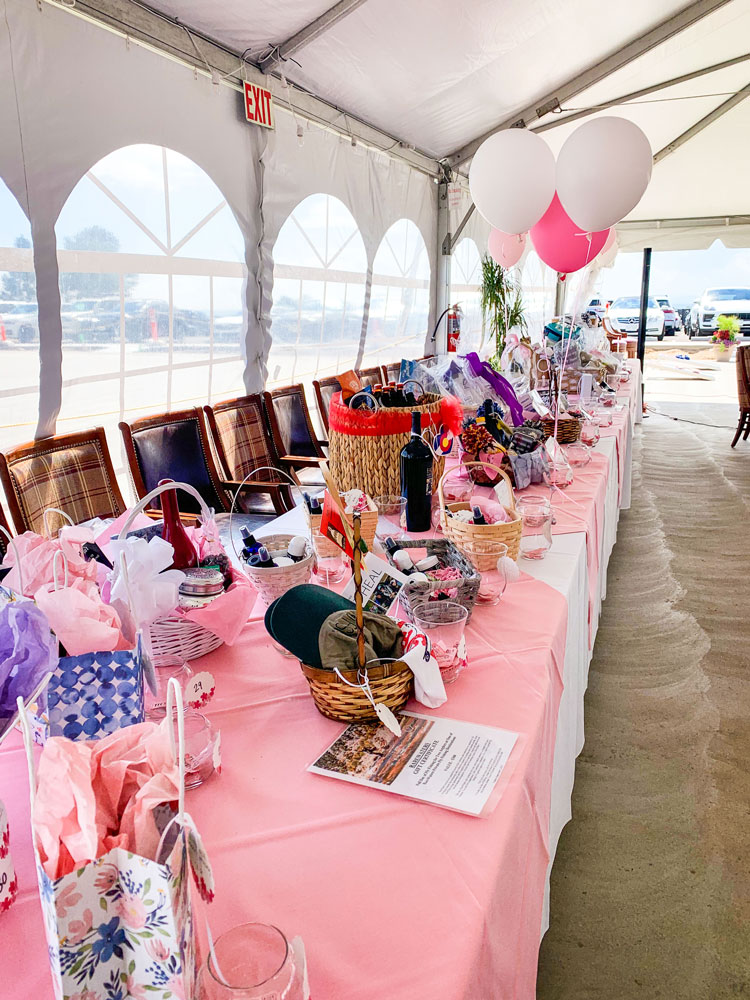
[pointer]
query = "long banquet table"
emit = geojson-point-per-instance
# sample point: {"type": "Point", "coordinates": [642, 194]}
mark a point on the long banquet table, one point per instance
{"type": "Point", "coordinates": [393, 898]}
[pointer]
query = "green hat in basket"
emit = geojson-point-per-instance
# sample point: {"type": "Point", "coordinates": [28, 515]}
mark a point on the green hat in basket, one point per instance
{"type": "Point", "coordinates": [338, 639]}
{"type": "Point", "coordinates": [295, 619]}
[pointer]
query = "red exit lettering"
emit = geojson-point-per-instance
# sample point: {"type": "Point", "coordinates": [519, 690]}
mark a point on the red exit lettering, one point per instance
{"type": "Point", "coordinates": [258, 105]}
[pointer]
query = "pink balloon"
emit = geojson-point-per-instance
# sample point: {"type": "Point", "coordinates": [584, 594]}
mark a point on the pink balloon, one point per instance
{"type": "Point", "coordinates": [506, 249]}
{"type": "Point", "coordinates": [563, 245]}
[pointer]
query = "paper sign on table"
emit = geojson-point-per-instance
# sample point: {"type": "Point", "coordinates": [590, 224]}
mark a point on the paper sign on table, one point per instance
{"type": "Point", "coordinates": [441, 761]}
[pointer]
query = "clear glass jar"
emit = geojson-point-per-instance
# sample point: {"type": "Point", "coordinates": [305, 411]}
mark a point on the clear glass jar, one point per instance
{"type": "Point", "coordinates": [443, 622]}
{"type": "Point", "coordinates": [251, 962]}
{"type": "Point", "coordinates": [536, 531]}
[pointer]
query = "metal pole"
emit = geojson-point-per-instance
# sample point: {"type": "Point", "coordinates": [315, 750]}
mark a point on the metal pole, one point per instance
{"type": "Point", "coordinates": [560, 297]}
{"type": "Point", "coordinates": [645, 279]}
{"type": "Point", "coordinates": [443, 274]}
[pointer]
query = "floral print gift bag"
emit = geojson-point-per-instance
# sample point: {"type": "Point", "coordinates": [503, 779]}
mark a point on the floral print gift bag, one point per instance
{"type": "Point", "coordinates": [121, 925]}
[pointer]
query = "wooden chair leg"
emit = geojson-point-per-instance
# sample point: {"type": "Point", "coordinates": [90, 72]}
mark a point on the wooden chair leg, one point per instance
{"type": "Point", "coordinates": [747, 425]}
{"type": "Point", "coordinates": [741, 425]}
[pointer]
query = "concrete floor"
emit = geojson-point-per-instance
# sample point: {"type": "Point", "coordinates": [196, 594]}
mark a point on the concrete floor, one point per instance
{"type": "Point", "coordinates": [651, 884]}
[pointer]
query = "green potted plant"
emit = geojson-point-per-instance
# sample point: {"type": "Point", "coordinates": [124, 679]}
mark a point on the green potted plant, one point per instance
{"type": "Point", "coordinates": [502, 305]}
{"type": "Point", "coordinates": [726, 333]}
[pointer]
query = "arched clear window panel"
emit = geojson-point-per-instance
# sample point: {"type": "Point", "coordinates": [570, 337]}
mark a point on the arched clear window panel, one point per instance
{"type": "Point", "coordinates": [19, 326]}
{"type": "Point", "coordinates": [320, 265]}
{"type": "Point", "coordinates": [400, 298]}
{"type": "Point", "coordinates": [466, 290]}
{"type": "Point", "coordinates": [152, 272]}
{"type": "Point", "coordinates": [538, 288]}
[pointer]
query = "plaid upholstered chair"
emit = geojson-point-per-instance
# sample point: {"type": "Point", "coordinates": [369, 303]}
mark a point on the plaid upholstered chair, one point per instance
{"type": "Point", "coordinates": [370, 376]}
{"type": "Point", "coordinates": [243, 444]}
{"type": "Point", "coordinates": [176, 446]}
{"type": "Point", "coordinates": [293, 434]}
{"type": "Point", "coordinates": [324, 389]}
{"type": "Point", "coordinates": [742, 360]}
{"type": "Point", "coordinates": [391, 372]}
{"type": "Point", "coordinates": [72, 472]}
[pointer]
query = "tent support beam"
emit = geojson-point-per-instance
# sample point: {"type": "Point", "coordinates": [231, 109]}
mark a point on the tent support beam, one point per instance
{"type": "Point", "coordinates": [699, 126]}
{"type": "Point", "coordinates": [308, 34]}
{"type": "Point", "coordinates": [453, 238]}
{"type": "Point", "coordinates": [577, 84]}
{"type": "Point", "coordinates": [698, 222]}
{"type": "Point", "coordinates": [644, 92]}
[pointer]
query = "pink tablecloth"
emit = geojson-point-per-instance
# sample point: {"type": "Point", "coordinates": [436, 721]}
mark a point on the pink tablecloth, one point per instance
{"type": "Point", "coordinates": [393, 898]}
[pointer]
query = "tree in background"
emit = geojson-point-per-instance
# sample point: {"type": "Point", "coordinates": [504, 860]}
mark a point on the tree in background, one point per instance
{"type": "Point", "coordinates": [19, 286]}
{"type": "Point", "coordinates": [93, 239]}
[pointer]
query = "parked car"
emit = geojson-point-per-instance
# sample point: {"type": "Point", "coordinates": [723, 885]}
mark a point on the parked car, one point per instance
{"type": "Point", "coordinates": [20, 322]}
{"type": "Point", "coordinates": [672, 323]}
{"type": "Point", "coordinates": [597, 306]}
{"type": "Point", "coordinates": [717, 302]}
{"type": "Point", "coordinates": [624, 314]}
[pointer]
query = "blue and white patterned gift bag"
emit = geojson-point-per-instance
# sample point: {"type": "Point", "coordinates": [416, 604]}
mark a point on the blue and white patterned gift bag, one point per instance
{"type": "Point", "coordinates": [93, 694]}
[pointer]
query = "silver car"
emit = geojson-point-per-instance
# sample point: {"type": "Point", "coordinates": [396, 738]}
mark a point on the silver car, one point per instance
{"type": "Point", "coordinates": [717, 302]}
{"type": "Point", "coordinates": [20, 322]}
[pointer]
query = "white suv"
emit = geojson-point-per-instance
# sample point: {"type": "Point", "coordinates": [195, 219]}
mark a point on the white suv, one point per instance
{"type": "Point", "coordinates": [671, 319]}
{"type": "Point", "coordinates": [717, 302]}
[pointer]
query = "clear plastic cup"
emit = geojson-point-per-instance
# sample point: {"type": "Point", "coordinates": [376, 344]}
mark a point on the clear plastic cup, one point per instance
{"type": "Point", "coordinates": [391, 517]}
{"type": "Point", "coordinates": [536, 531]}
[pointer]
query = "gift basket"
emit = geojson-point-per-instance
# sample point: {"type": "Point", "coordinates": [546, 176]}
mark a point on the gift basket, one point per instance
{"type": "Point", "coordinates": [353, 499]}
{"type": "Point", "coordinates": [113, 860]}
{"type": "Point", "coordinates": [187, 633]}
{"type": "Point", "coordinates": [365, 444]}
{"type": "Point", "coordinates": [458, 525]}
{"type": "Point", "coordinates": [454, 578]}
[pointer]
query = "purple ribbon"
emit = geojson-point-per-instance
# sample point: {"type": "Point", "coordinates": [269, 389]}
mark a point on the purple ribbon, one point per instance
{"type": "Point", "coordinates": [502, 386]}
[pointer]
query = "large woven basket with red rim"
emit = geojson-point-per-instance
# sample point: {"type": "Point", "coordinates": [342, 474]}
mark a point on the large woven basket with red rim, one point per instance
{"type": "Point", "coordinates": [365, 445]}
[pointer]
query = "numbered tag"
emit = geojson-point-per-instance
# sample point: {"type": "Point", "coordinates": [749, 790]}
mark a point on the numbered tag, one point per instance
{"type": "Point", "coordinates": [388, 719]}
{"type": "Point", "coordinates": [539, 405]}
{"type": "Point", "coordinates": [199, 690]}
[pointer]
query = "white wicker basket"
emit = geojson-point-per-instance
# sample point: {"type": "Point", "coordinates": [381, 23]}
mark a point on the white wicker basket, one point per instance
{"type": "Point", "coordinates": [174, 639]}
{"type": "Point", "coordinates": [273, 581]}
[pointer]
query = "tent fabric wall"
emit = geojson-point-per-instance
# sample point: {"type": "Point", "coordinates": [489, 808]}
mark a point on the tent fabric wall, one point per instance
{"type": "Point", "coordinates": [72, 92]}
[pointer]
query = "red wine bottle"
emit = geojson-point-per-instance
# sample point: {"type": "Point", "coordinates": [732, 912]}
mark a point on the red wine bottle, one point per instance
{"type": "Point", "coordinates": [173, 531]}
{"type": "Point", "coordinates": [416, 479]}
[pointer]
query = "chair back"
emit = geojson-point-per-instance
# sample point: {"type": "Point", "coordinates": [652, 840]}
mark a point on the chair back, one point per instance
{"type": "Point", "coordinates": [324, 389]}
{"type": "Point", "coordinates": [370, 376]}
{"type": "Point", "coordinates": [174, 446]}
{"type": "Point", "coordinates": [242, 439]}
{"type": "Point", "coordinates": [391, 372]}
{"type": "Point", "coordinates": [72, 472]}
{"type": "Point", "coordinates": [742, 360]}
{"type": "Point", "coordinates": [289, 418]}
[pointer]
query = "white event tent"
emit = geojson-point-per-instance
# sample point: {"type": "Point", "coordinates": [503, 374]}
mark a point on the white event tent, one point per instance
{"type": "Point", "coordinates": [131, 184]}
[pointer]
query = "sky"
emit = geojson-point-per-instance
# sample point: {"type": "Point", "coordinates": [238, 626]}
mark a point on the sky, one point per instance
{"type": "Point", "coordinates": [682, 275]}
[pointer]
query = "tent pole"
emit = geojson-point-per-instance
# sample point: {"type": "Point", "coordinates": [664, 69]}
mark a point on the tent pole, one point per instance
{"type": "Point", "coordinates": [645, 280]}
{"type": "Point", "coordinates": [443, 271]}
{"type": "Point", "coordinates": [559, 297]}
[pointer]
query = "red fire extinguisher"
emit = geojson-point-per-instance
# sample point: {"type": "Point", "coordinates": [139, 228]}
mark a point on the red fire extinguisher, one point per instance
{"type": "Point", "coordinates": [454, 328]}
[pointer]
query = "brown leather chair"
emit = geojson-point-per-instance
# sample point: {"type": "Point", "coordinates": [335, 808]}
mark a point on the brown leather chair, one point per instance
{"type": "Point", "coordinates": [391, 372]}
{"type": "Point", "coordinates": [742, 360]}
{"type": "Point", "coordinates": [176, 446]}
{"type": "Point", "coordinates": [324, 389]}
{"type": "Point", "coordinates": [4, 526]}
{"type": "Point", "coordinates": [72, 472]}
{"type": "Point", "coordinates": [293, 434]}
{"type": "Point", "coordinates": [243, 444]}
{"type": "Point", "coordinates": [370, 376]}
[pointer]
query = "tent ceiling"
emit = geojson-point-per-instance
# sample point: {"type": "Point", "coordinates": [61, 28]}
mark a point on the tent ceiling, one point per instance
{"type": "Point", "coordinates": [438, 75]}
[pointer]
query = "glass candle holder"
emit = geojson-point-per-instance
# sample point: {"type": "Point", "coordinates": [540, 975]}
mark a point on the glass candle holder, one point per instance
{"type": "Point", "coordinates": [559, 474]}
{"type": "Point", "coordinates": [443, 622]}
{"type": "Point", "coordinates": [578, 454]}
{"type": "Point", "coordinates": [200, 748]}
{"type": "Point", "coordinates": [251, 962]}
{"type": "Point", "coordinates": [391, 517]}
{"type": "Point", "coordinates": [536, 530]}
{"type": "Point", "coordinates": [156, 704]}
{"type": "Point", "coordinates": [331, 562]}
{"type": "Point", "coordinates": [603, 415]}
{"type": "Point", "coordinates": [488, 557]}
{"type": "Point", "coordinates": [590, 433]}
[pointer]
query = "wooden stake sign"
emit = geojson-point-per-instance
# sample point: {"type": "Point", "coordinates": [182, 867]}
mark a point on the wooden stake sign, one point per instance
{"type": "Point", "coordinates": [258, 105]}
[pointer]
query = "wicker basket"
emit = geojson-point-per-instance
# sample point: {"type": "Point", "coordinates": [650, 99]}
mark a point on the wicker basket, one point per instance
{"type": "Point", "coordinates": [368, 522]}
{"type": "Point", "coordinates": [363, 455]}
{"type": "Point", "coordinates": [390, 683]}
{"type": "Point", "coordinates": [568, 429]}
{"type": "Point", "coordinates": [466, 589]}
{"type": "Point", "coordinates": [465, 535]}
{"type": "Point", "coordinates": [273, 581]}
{"type": "Point", "coordinates": [174, 639]}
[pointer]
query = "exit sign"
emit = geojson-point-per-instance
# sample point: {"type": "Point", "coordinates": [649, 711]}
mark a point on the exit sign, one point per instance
{"type": "Point", "coordinates": [258, 105]}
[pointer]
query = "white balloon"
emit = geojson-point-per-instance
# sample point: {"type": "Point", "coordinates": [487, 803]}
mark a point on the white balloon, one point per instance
{"type": "Point", "coordinates": [602, 171]}
{"type": "Point", "coordinates": [512, 179]}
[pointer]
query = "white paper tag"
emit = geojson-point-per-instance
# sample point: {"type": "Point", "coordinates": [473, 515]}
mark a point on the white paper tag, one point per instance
{"type": "Point", "coordinates": [388, 719]}
{"type": "Point", "coordinates": [539, 405]}
{"type": "Point", "coordinates": [502, 492]}
{"type": "Point", "coordinates": [199, 690]}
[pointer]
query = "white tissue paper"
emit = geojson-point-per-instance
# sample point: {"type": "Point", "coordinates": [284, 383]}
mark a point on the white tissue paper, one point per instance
{"type": "Point", "coordinates": [152, 590]}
